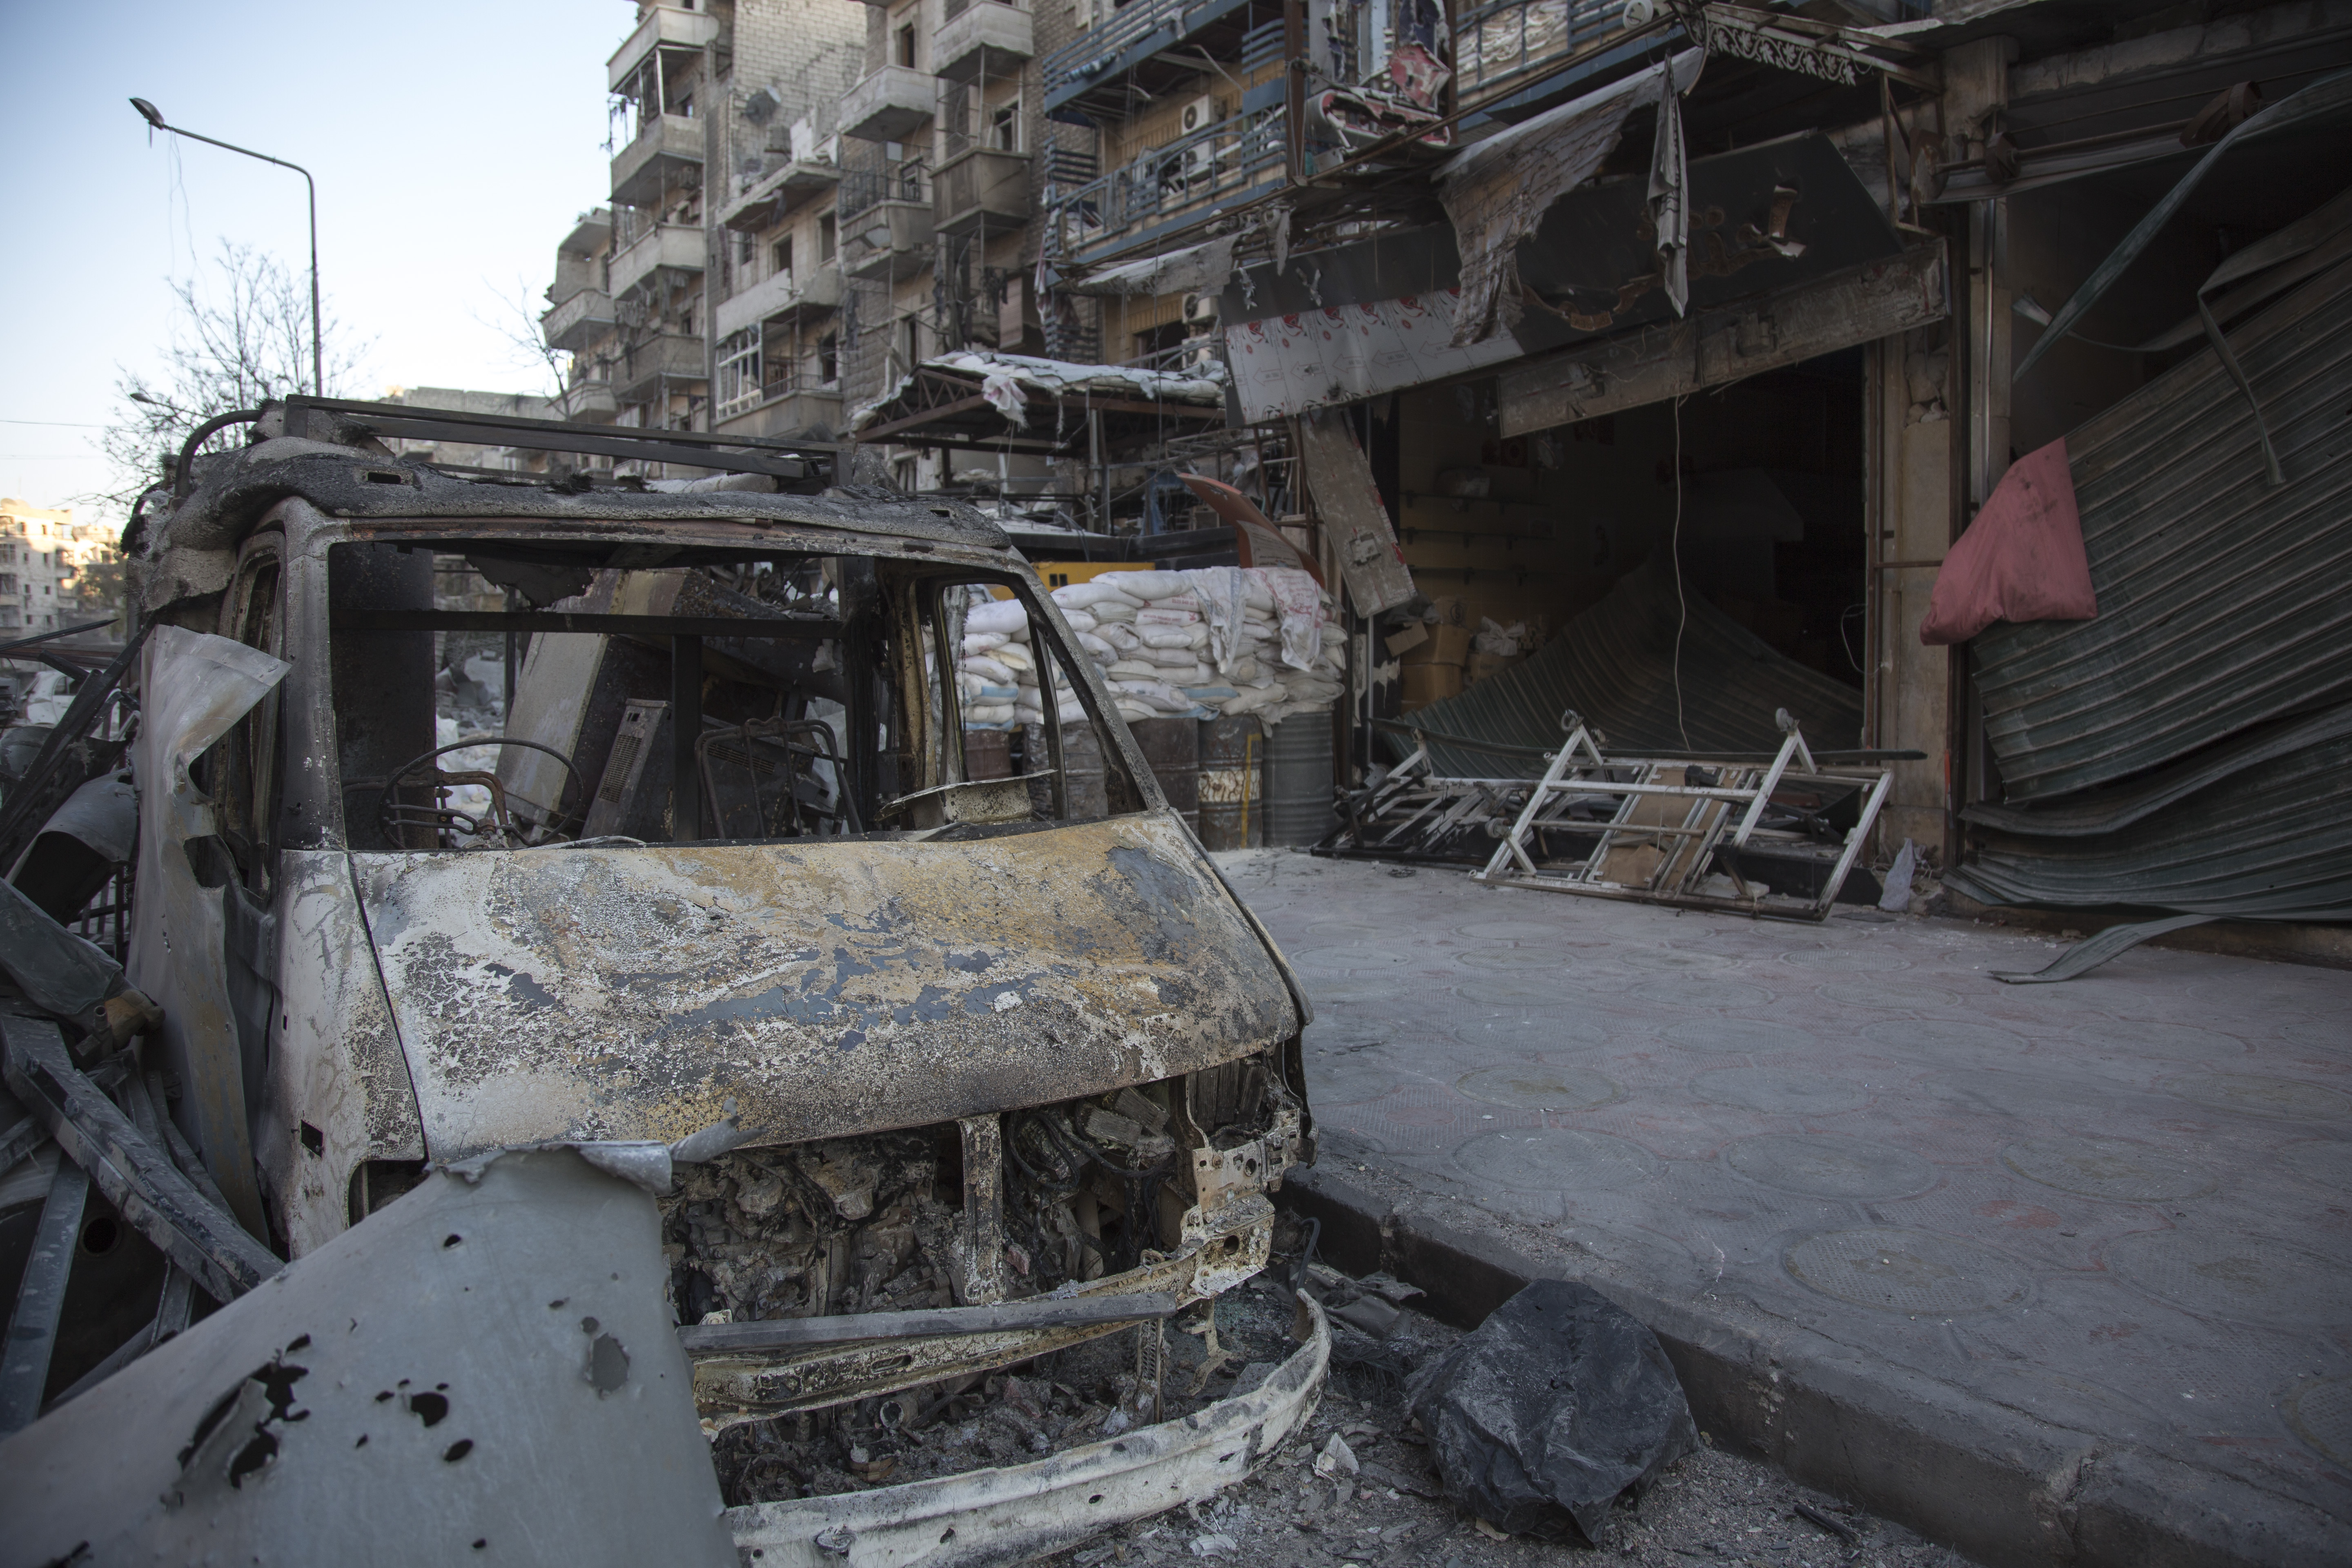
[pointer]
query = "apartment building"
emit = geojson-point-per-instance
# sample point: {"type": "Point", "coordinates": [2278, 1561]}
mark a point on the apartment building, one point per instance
{"type": "Point", "coordinates": [53, 572]}
{"type": "Point", "coordinates": [700, 296]}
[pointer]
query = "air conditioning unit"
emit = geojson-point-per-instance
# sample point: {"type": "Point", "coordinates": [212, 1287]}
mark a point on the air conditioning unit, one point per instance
{"type": "Point", "coordinates": [1200, 113]}
{"type": "Point", "coordinates": [1200, 307]}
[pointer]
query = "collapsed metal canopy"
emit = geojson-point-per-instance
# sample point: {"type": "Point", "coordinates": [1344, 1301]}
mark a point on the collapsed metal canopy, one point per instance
{"type": "Point", "coordinates": [1616, 665]}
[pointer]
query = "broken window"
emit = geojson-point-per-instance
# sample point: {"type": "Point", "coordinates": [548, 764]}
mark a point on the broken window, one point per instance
{"type": "Point", "coordinates": [780, 259]}
{"type": "Point", "coordinates": [644, 713]}
{"type": "Point", "coordinates": [828, 232]}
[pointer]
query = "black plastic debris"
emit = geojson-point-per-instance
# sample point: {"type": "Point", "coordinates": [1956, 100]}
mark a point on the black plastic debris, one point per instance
{"type": "Point", "coordinates": [1553, 1409]}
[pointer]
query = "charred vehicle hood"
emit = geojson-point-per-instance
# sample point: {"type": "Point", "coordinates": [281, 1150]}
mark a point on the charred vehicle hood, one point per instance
{"type": "Point", "coordinates": [813, 989]}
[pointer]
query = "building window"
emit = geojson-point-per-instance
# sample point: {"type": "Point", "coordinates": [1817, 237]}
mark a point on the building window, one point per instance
{"type": "Point", "coordinates": [780, 254]}
{"type": "Point", "coordinates": [739, 372]}
{"type": "Point", "coordinates": [1005, 127]}
{"type": "Point", "coordinates": [828, 234]}
{"type": "Point", "coordinates": [828, 359]}
{"type": "Point", "coordinates": [906, 45]}
{"type": "Point", "coordinates": [910, 344]}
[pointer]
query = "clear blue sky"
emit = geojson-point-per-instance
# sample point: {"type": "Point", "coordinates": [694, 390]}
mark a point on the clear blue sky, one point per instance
{"type": "Point", "coordinates": [453, 146]}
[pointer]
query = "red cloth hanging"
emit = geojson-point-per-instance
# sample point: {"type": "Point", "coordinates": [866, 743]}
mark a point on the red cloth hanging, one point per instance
{"type": "Point", "coordinates": [2020, 560]}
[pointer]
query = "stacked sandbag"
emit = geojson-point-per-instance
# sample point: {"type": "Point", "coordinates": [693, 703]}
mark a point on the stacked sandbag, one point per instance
{"type": "Point", "coordinates": [994, 666]}
{"type": "Point", "coordinates": [1275, 641]}
{"type": "Point", "coordinates": [1192, 645]}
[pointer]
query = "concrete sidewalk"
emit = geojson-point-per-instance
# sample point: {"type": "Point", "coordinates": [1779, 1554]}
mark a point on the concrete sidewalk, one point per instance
{"type": "Point", "coordinates": [2049, 1272]}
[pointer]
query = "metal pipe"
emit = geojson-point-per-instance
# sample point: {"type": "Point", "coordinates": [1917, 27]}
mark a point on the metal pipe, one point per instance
{"type": "Point", "coordinates": [685, 719]}
{"type": "Point", "coordinates": [154, 116]}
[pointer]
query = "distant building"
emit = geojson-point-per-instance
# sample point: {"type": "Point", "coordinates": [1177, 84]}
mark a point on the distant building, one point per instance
{"type": "Point", "coordinates": [716, 259]}
{"type": "Point", "coordinates": [53, 572]}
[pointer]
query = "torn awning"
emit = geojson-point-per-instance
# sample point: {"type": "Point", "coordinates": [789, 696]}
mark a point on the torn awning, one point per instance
{"type": "Point", "coordinates": [1000, 401]}
{"type": "Point", "coordinates": [1786, 222]}
{"type": "Point", "coordinates": [1498, 191]}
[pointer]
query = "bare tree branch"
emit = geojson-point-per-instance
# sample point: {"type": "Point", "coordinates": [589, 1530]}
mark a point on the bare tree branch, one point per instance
{"type": "Point", "coordinates": [244, 339]}
{"type": "Point", "coordinates": [518, 326]}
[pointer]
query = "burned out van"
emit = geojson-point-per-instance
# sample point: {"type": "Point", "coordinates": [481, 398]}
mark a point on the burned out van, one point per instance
{"type": "Point", "coordinates": [724, 883]}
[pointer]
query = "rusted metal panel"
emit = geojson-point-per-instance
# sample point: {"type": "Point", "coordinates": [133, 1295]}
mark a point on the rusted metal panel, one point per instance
{"type": "Point", "coordinates": [817, 988]}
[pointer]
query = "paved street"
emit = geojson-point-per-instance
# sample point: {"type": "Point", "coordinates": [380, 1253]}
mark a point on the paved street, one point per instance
{"type": "Point", "coordinates": [2122, 1205]}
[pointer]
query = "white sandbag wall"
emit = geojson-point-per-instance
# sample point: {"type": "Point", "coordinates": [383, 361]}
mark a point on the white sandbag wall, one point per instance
{"type": "Point", "coordinates": [1215, 641]}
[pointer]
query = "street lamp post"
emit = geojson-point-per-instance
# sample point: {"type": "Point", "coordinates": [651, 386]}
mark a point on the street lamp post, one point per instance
{"type": "Point", "coordinates": [154, 116]}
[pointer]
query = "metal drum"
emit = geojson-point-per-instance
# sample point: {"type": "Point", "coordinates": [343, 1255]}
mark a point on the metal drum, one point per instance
{"type": "Point", "coordinates": [987, 754]}
{"type": "Point", "coordinates": [1233, 805]}
{"type": "Point", "coordinates": [1299, 792]}
{"type": "Point", "coordinates": [1171, 747]}
{"type": "Point", "coordinates": [1081, 771]}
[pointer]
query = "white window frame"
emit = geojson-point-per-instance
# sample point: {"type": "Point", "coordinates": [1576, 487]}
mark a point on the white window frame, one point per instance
{"type": "Point", "coordinates": [739, 372]}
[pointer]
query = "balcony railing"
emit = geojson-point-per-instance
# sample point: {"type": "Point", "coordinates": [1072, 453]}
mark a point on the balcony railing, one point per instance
{"type": "Point", "coordinates": [646, 365]}
{"type": "Point", "coordinates": [889, 105]}
{"type": "Point", "coordinates": [673, 25]}
{"type": "Point", "coordinates": [982, 187]}
{"type": "Point", "coordinates": [678, 246]}
{"type": "Point", "coordinates": [986, 40]}
{"type": "Point", "coordinates": [667, 150]}
{"type": "Point", "coordinates": [864, 188]}
{"type": "Point", "coordinates": [808, 289]}
{"type": "Point", "coordinates": [579, 320]}
{"type": "Point", "coordinates": [1129, 36]}
{"type": "Point", "coordinates": [1208, 168]}
{"type": "Point", "coordinates": [1500, 44]}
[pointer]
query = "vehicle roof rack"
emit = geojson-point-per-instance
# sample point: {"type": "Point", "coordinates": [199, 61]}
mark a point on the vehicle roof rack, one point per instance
{"type": "Point", "coordinates": [327, 418]}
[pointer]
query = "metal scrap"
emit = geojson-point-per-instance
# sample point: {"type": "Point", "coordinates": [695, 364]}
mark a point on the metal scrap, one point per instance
{"type": "Point", "coordinates": [138, 1178]}
{"type": "Point", "coordinates": [1661, 829]}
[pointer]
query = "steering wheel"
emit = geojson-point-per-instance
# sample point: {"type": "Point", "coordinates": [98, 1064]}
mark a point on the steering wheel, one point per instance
{"type": "Point", "coordinates": [395, 819]}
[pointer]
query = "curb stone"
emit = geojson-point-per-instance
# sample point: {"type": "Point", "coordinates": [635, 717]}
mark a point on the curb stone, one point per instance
{"type": "Point", "coordinates": [1991, 1481]}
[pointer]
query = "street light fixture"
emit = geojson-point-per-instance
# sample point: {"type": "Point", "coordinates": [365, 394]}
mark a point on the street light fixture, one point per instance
{"type": "Point", "coordinates": [154, 117]}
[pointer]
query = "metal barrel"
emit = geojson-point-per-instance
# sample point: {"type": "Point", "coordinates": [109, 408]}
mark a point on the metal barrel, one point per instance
{"type": "Point", "coordinates": [1081, 771]}
{"type": "Point", "coordinates": [987, 754]}
{"type": "Point", "coordinates": [1171, 747]}
{"type": "Point", "coordinates": [1298, 795]}
{"type": "Point", "coordinates": [1233, 805]}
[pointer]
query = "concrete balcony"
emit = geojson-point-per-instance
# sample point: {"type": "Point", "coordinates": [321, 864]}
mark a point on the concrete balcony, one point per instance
{"type": "Point", "coordinates": [891, 239]}
{"type": "Point", "coordinates": [664, 24]}
{"type": "Point", "coordinates": [986, 39]}
{"type": "Point", "coordinates": [578, 319]}
{"type": "Point", "coordinates": [813, 414]}
{"type": "Point", "coordinates": [667, 152]}
{"type": "Point", "coordinates": [776, 193]}
{"type": "Point", "coordinates": [890, 105]}
{"type": "Point", "coordinates": [782, 293]}
{"type": "Point", "coordinates": [676, 245]}
{"type": "Point", "coordinates": [646, 367]}
{"type": "Point", "coordinates": [590, 403]}
{"type": "Point", "coordinates": [982, 187]}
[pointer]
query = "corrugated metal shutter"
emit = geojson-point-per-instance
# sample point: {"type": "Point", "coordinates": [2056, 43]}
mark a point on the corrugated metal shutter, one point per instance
{"type": "Point", "coordinates": [2222, 602]}
{"type": "Point", "coordinates": [1616, 665]}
